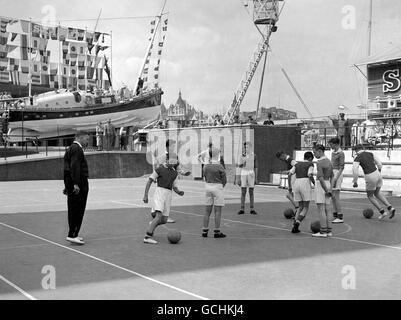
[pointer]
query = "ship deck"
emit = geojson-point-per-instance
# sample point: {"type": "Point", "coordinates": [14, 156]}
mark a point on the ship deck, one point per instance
{"type": "Point", "coordinates": [259, 259]}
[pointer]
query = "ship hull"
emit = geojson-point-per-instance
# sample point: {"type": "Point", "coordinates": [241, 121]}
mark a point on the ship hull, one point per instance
{"type": "Point", "coordinates": [28, 123]}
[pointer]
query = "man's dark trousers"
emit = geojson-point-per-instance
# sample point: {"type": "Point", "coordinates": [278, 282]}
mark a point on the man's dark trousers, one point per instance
{"type": "Point", "coordinates": [76, 208]}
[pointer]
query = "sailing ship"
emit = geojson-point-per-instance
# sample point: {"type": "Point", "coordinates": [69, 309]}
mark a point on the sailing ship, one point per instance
{"type": "Point", "coordinates": [58, 80]}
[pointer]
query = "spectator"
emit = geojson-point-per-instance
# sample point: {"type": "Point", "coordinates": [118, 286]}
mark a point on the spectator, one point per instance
{"type": "Point", "coordinates": [341, 130]}
{"type": "Point", "coordinates": [251, 120]}
{"type": "Point", "coordinates": [123, 139]}
{"type": "Point", "coordinates": [139, 87]}
{"type": "Point", "coordinates": [269, 121]}
{"type": "Point", "coordinates": [99, 136]}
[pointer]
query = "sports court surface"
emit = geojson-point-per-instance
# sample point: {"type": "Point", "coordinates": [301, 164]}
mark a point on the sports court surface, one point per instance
{"type": "Point", "coordinates": [259, 259]}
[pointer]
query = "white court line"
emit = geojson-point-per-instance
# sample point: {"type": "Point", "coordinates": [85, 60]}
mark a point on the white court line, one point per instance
{"type": "Point", "coordinates": [276, 228]}
{"type": "Point", "coordinates": [26, 294]}
{"type": "Point", "coordinates": [106, 262]}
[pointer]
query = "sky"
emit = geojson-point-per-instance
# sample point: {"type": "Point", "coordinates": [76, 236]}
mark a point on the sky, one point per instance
{"type": "Point", "coordinates": [209, 45]}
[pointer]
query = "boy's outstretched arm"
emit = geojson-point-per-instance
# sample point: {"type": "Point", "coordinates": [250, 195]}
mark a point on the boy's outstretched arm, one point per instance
{"type": "Point", "coordinates": [176, 190]}
{"type": "Point", "coordinates": [145, 197]}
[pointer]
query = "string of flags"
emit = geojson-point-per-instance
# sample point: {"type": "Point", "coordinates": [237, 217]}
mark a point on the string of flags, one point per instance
{"type": "Point", "coordinates": [152, 66]}
{"type": "Point", "coordinates": [79, 62]}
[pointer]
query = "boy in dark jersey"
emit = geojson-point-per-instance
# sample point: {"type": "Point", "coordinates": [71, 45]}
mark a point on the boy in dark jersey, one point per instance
{"type": "Point", "coordinates": [302, 187]}
{"type": "Point", "coordinates": [372, 167]}
{"type": "Point", "coordinates": [216, 180]}
{"type": "Point", "coordinates": [165, 175]}
{"type": "Point", "coordinates": [323, 190]}
{"type": "Point", "coordinates": [290, 162]}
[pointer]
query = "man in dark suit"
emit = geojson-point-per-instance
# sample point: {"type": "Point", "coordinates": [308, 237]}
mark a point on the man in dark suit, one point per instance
{"type": "Point", "coordinates": [76, 185]}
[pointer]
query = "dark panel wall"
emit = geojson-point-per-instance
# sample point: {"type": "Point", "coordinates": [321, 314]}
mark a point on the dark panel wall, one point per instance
{"type": "Point", "coordinates": [268, 141]}
{"type": "Point", "coordinates": [101, 166]}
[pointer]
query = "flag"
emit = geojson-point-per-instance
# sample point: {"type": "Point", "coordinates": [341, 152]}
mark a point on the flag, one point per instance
{"type": "Point", "coordinates": [14, 77]}
{"type": "Point", "coordinates": [24, 66]}
{"type": "Point", "coordinates": [81, 72]}
{"type": "Point", "coordinates": [3, 64]}
{"type": "Point", "coordinates": [153, 22]}
{"type": "Point", "coordinates": [65, 47]}
{"type": "Point", "coordinates": [4, 40]}
{"type": "Point", "coordinates": [53, 33]}
{"type": "Point", "coordinates": [81, 35]}
{"type": "Point", "coordinates": [73, 71]}
{"type": "Point", "coordinates": [45, 80]}
{"type": "Point", "coordinates": [89, 40]}
{"type": "Point", "coordinates": [62, 33]}
{"type": "Point", "coordinates": [35, 79]}
{"type": "Point", "coordinates": [53, 68]}
{"type": "Point", "coordinates": [24, 26]}
{"type": "Point", "coordinates": [23, 78]}
{"type": "Point", "coordinates": [152, 30]}
{"type": "Point", "coordinates": [3, 24]}
{"type": "Point", "coordinates": [45, 34]}
{"type": "Point", "coordinates": [157, 68]}
{"type": "Point", "coordinates": [97, 36]}
{"type": "Point", "coordinates": [156, 76]}
{"type": "Point", "coordinates": [165, 28]}
{"type": "Point", "coordinates": [90, 72]}
{"type": "Point", "coordinates": [4, 76]}
{"type": "Point", "coordinates": [98, 48]}
{"type": "Point", "coordinates": [36, 30]}
{"type": "Point", "coordinates": [13, 36]}
{"type": "Point", "coordinates": [45, 68]}
{"type": "Point", "coordinates": [24, 45]}
{"type": "Point", "coordinates": [72, 33]}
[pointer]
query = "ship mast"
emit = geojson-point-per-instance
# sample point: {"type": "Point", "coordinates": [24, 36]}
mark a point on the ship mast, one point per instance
{"type": "Point", "coordinates": [30, 61]}
{"type": "Point", "coordinates": [151, 43]}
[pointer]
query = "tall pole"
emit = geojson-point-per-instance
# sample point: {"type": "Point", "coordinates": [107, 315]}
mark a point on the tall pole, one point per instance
{"type": "Point", "coordinates": [261, 84]}
{"type": "Point", "coordinates": [369, 51]}
{"type": "Point", "coordinates": [111, 59]}
{"type": "Point", "coordinates": [30, 60]}
{"type": "Point", "coordinates": [151, 43]}
{"type": "Point", "coordinates": [370, 27]}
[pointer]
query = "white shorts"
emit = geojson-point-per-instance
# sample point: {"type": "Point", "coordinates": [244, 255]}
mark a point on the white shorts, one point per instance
{"type": "Point", "coordinates": [337, 186]}
{"type": "Point", "coordinates": [302, 190]}
{"type": "Point", "coordinates": [373, 180]}
{"type": "Point", "coordinates": [214, 194]}
{"type": "Point", "coordinates": [247, 179]}
{"type": "Point", "coordinates": [321, 194]}
{"type": "Point", "coordinates": [162, 201]}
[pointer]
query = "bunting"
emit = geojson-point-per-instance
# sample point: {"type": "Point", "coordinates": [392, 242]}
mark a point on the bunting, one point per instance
{"type": "Point", "coordinates": [80, 60]}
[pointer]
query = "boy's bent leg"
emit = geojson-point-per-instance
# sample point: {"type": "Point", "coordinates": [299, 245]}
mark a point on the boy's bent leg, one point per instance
{"type": "Point", "coordinates": [373, 200]}
{"type": "Point", "coordinates": [379, 195]}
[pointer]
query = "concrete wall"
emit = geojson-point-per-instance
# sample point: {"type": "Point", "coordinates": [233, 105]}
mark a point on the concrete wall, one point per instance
{"type": "Point", "coordinates": [391, 171]}
{"type": "Point", "coordinates": [102, 165]}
